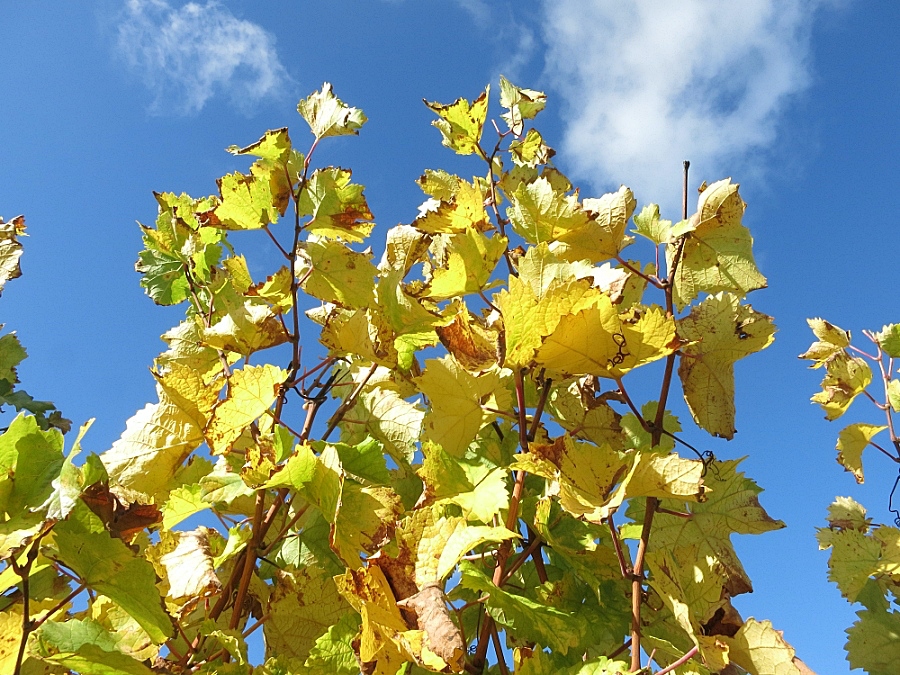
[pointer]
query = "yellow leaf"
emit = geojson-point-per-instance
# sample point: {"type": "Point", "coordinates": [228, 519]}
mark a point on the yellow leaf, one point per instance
{"type": "Point", "coordinates": [719, 331]}
{"type": "Point", "coordinates": [846, 377]}
{"type": "Point", "coordinates": [475, 346]}
{"type": "Point", "coordinates": [761, 650]}
{"type": "Point", "coordinates": [716, 253]}
{"type": "Point", "coordinates": [189, 567]}
{"type": "Point", "coordinates": [464, 263]}
{"type": "Point", "coordinates": [603, 236]}
{"type": "Point", "coordinates": [599, 341]}
{"type": "Point", "coordinates": [334, 273]}
{"type": "Point", "coordinates": [461, 123]}
{"type": "Point", "coordinates": [851, 442]}
{"type": "Point", "coordinates": [456, 214]}
{"type": "Point", "coordinates": [458, 401]}
{"type": "Point", "coordinates": [832, 340]}
{"type": "Point", "coordinates": [251, 392]}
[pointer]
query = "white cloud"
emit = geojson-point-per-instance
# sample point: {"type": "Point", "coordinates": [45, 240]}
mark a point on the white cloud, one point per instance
{"type": "Point", "coordinates": [189, 54]}
{"type": "Point", "coordinates": [649, 83]}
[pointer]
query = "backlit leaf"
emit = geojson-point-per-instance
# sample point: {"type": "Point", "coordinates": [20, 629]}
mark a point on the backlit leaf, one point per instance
{"type": "Point", "coordinates": [461, 123]}
{"type": "Point", "coordinates": [327, 115]}
{"type": "Point", "coordinates": [851, 442]}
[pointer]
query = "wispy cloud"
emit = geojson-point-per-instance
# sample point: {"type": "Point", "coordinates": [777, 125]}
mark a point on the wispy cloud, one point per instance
{"type": "Point", "coordinates": [188, 54]}
{"type": "Point", "coordinates": [649, 83]}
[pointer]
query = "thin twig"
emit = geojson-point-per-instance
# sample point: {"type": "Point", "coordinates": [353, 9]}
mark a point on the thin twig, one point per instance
{"type": "Point", "coordinates": [680, 662]}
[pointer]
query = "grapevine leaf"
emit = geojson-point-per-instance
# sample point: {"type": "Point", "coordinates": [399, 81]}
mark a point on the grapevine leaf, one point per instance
{"type": "Point", "coordinates": [30, 460]}
{"type": "Point", "coordinates": [719, 331]}
{"type": "Point", "coordinates": [464, 210]}
{"type": "Point", "coordinates": [338, 208]}
{"type": "Point", "coordinates": [327, 115]}
{"type": "Point", "coordinates": [540, 212]}
{"type": "Point", "coordinates": [464, 263]}
{"type": "Point", "coordinates": [245, 329]}
{"type": "Point", "coordinates": [473, 344]}
{"type": "Point", "coordinates": [648, 224]}
{"type": "Point", "coordinates": [332, 653]}
{"type": "Point", "coordinates": [760, 649]}
{"type": "Point", "coordinates": [640, 439]}
{"type": "Point", "coordinates": [851, 442]}
{"type": "Point", "coordinates": [546, 625]}
{"type": "Point", "coordinates": [189, 566]}
{"type": "Point", "coordinates": [334, 273]}
{"type": "Point", "coordinates": [731, 506]}
{"type": "Point", "coordinates": [156, 441]}
{"type": "Point", "coordinates": [579, 412]}
{"type": "Point", "coordinates": [364, 333]}
{"type": "Point", "coordinates": [274, 146]}
{"type": "Point", "coordinates": [603, 236]}
{"type": "Point", "coordinates": [387, 417]}
{"type": "Point", "coordinates": [479, 490]}
{"type": "Point", "coordinates": [86, 647]}
{"type": "Point", "coordinates": [521, 104]}
{"type": "Point", "coordinates": [461, 122]}
{"type": "Point", "coordinates": [599, 341]}
{"type": "Point", "coordinates": [716, 253]}
{"type": "Point", "coordinates": [183, 502]}
{"type": "Point", "coordinates": [439, 184]}
{"type": "Point", "coordinates": [530, 150]}
{"type": "Point", "coordinates": [889, 340]}
{"type": "Point", "coordinates": [303, 605]}
{"type": "Point", "coordinates": [873, 642]}
{"type": "Point", "coordinates": [10, 249]}
{"type": "Point", "coordinates": [529, 318]}
{"type": "Point", "coordinates": [364, 520]}
{"type": "Point", "coordinates": [458, 401]}
{"type": "Point", "coordinates": [368, 592]}
{"type": "Point", "coordinates": [107, 565]}
{"type": "Point", "coordinates": [252, 390]}
{"type": "Point", "coordinates": [846, 377]}
{"type": "Point", "coordinates": [249, 202]}
{"type": "Point", "coordinates": [832, 341]}
{"type": "Point", "coordinates": [404, 247]}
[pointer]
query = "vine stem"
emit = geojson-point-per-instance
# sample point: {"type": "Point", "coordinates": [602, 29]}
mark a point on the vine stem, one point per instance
{"type": "Point", "coordinates": [680, 662]}
{"type": "Point", "coordinates": [512, 518]}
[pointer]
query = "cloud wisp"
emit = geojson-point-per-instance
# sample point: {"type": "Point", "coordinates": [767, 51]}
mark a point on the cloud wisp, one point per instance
{"type": "Point", "coordinates": [189, 54]}
{"type": "Point", "coordinates": [649, 83]}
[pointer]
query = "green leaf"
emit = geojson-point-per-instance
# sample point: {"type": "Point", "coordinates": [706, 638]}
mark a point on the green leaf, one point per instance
{"type": "Point", "coordinates": [107, 565]}
{"type": "Point", "coordinates": [30, 460]}
{"type": "Point", "coordinates": [873, 642]}
{"type": "Point", "coordinates": [531, 620]}
{"type": "Point", "coordinates": [889, 340]}
{"type": "Point", "coordinates": [327, 115]}
{"type": "Point", "coordinates": [333, 652]}
{"type": "Point", "coordinates": [461, 123]}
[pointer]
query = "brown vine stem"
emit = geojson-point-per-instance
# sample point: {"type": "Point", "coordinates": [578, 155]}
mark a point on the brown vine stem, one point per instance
{"type": "Point", "coordinates": [614, 532]}
{"type": "Point", "coordinates": [249, 561]}
{"type": "Point", "coordinates": [498, 650]}
{"type": "Point", "coordinates": [652, 504]}
{"type": "Point", "coordinates": [512, 518]}
{"type": "Point", "coordinates": [680, 662]}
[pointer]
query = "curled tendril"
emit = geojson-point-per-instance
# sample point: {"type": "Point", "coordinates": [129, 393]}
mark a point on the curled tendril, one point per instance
{"type": "Point", "coordinates": [891, 501]}
{"type": "Point", "coordinates": [622, 352]}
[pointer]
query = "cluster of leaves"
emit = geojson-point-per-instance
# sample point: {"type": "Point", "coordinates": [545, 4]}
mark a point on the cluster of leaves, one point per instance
{"type": "Point", "coordinates": [488, 441]}
{"type": "Point", "coordinates": [11, 351]}
{"type": "Point", "coordinates": [865, 558]}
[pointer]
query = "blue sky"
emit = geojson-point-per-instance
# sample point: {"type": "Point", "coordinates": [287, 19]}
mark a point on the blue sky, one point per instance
{"type": "Point", "coordinates": [797, 100]}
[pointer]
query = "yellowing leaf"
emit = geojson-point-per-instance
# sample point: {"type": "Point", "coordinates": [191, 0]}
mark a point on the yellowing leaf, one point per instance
{"type": "Point", "coordinates": [246, 329]}
{"type": "Point", "coordinates": [851, 442]}
{"type": "Point", "coordinates": [249, 202]}
{"type": "Point", "coordinates": [337, 206]}
{"type": "Point", "coordinates": [155, 443]}
{"type": "Point", "coordinates": [889, 340]}
{"type": "Point", "coordinates": [475, 346]}
{"type": "Point", "coordinates": [462, 211]}
{"type": "Point", "coordinates": [603, 236]}
{"type": "Point", "coordinates": [10, 249]}
{"type": "Point", "coordinates": [274, 146]}
{"type": "Point", "coordinates": [530, 150]}
{"type": "Point", "coordinates": [719, 331]}
{"type": "Point", "coordinates": [846, 377]}
{"type": "Point", "coordinates": [528, 318]}
{"type": "Point", "coordinates": [761, 650]}
{"type": "Point", "coordinates": [335, 273]}
{"type": "Point", "coordinates": [189, 566]}
{"type": "Point", "coordinates": [404, 247]}
{"type": "Point", "coordinates": [363, 333]}
{"type": "Point", "coordinates": [461, 123]}
{"type": "Point", "coordinates": [303, 605]}
{"type": "Point", "coordinates": [599, 341]}
{"type": "Point", "coordinates": [464, 263]}
{"type": "Point", "coordinates": [648, 224]}
{"type": "Point", "coordinates": [717, 249]}
{"type": "Point", "coordinates": [458, 401]}
{"type": "Point", "coordinates": [667, 477]}
{"type": "Point", "coordinates": [832, 340]}
{"type": "Point", "coordinates": [327, 115]}
{"type": "Point", "coordinates": [251, 392]}
{"type": "Point", "coordinates": [540, 212]}
{"type": "Point", "coordinates": [521, 104]}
